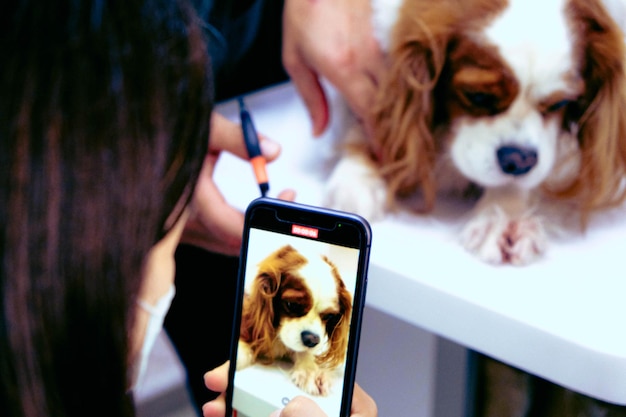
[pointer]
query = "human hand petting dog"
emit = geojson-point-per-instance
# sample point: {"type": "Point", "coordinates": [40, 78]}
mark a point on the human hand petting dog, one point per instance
{"type": "Point", "coordinates": [214, 224]}
{"type": "Point", "coordinates": [217, 380]}
{"type": "Point", "coordinates": [332, 39]}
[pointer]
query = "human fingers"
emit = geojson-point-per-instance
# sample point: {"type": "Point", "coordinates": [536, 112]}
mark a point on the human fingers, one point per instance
{"type": "Point", "coordinates": [300, 407]}
{"type": "Point", "coordinates": [217, 381]}
{"type": "Point", "coordinates": [362, 404]}
{"type": "Point", "coordinates": [196, 233]}
{"type": "Point", "coordinates": [216, 407]}
{"type": "Point", "coordinates": [354, 64]}
{"type": "Point", "coordinates": [310, 90]}
{"type": "Point", "coordinates": [295, 61]}
{"type": "Point", "coordinates": [200, 232]}
{"type": "Point", "coordinates": [332, 39]}
{"type": "Point", "coordinates": [227, 135]}
{"type": "Point", "coordinates": [304, 78]}
{"type": "Point", "coordinates": [288, 195]}
{"type": "Point", "coordinates": [214, 224]}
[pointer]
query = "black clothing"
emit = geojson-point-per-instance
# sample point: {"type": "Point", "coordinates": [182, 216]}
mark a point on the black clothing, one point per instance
{"type": "Point", "coordinates": [244, 38]}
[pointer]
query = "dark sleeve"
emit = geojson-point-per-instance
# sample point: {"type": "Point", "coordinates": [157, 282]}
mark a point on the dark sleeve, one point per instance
{"type": "Point", "coordinates": [244, 40]}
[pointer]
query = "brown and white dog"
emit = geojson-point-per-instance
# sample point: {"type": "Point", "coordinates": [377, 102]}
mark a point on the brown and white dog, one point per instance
{"type": "Point", "coordinates": [298, 309]}
{"type": "Point", "coordinates": [522, 99]}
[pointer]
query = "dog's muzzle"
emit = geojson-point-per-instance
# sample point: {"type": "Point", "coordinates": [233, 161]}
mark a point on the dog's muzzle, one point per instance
{"type": "Point", "coordinates": [309, 339]}
{"type": "Point", "coordinates": [516, 160]}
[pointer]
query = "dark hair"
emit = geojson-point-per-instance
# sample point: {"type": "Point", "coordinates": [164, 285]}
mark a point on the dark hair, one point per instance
{"type": "Point", "coordinates": [104, 117]}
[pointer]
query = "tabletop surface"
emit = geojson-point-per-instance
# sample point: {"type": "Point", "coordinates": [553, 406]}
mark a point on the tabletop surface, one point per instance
{"type": "Point", "coordinates": [561, 318]}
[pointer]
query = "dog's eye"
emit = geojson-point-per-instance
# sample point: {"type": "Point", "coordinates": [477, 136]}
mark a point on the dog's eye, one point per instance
{"type": "Point", "coordinates": [558, 105]}
{"type": "Point", "coordinates": [481, 101]}
{"type": "Point", "coordinates": [478, 99]}
{"type": "Point", "coordinates": [330, 318]}
{"type": "Point", "coordinates": [293, 308]}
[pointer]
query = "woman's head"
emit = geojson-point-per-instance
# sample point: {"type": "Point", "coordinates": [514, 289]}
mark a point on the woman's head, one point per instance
{"type": "Point", "coordinates": [104, 123]}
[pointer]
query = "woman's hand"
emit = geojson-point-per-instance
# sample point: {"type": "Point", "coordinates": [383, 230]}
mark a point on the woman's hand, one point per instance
{"type": "Point", "coordinates": [214, 224]}
{"type": "Point", "coordinates": [362, 406]}
{"type": "Point", "coordinates": [217, 380]}
{"type": "Point", "coordinates": [332, 39]}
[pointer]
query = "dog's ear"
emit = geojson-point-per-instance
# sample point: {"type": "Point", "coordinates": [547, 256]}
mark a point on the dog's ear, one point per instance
{"type": "Point", "coordinates": [258, 322]}
{"type": "Point", "coordinates": [404, 111]}
{"type": "Point", "coordinates": [602, 124]}
{"type": "Point", "coordinates": [257, 319]}
{"type": "Point", "coordinates": [339, 331]}
{"type": "Point", "coordinates": [283, 259]}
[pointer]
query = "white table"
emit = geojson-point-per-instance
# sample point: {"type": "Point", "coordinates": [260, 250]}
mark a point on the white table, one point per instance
{"type": "Point", "coordinates": [561, 318]}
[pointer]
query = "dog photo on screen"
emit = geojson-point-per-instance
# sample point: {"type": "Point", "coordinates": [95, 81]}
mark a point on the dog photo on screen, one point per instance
{"type": "Point", "coordinates": [296, 309]}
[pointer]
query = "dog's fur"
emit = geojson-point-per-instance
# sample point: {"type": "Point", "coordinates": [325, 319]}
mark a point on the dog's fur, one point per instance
{"type": "Point", "coordinates": [298, 309]}
{"type": "Point", "coordinates": [521, 99]}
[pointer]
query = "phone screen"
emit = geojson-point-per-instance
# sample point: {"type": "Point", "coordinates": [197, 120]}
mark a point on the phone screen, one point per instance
{"type": "Point", "coordinates": [302, 289]}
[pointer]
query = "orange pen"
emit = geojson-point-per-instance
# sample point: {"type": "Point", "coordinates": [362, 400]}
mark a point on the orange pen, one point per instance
{"type": "Point", "coordinates": [254, 150]}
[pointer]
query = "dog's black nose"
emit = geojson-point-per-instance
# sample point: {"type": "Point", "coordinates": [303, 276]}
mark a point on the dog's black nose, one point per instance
{"type": "Point", "coordinates": [516, 160]}
{"type": "Point", "coordinates": [309, 339]}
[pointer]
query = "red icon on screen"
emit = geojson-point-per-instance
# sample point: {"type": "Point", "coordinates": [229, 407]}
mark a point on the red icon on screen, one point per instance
{"type": "Point", "coordinates": [304, 231]}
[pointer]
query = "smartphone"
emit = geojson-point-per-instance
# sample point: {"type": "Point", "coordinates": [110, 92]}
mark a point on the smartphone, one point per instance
{"type": "Point", "coordinates": [300, 298]}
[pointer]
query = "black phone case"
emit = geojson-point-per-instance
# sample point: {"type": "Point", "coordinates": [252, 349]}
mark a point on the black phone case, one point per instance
{"type": "Point", "coordinates": [309, 223]}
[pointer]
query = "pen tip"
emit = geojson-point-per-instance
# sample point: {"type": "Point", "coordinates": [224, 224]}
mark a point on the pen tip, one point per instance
{"type": "Point", "coordinates": [265, 187]}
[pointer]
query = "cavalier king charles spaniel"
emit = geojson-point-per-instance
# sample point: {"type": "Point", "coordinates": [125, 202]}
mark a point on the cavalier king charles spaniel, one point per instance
{"type": "Point", "coordinates": [522, 101]}
{"type": "Point", "coordinates": [297, 309]}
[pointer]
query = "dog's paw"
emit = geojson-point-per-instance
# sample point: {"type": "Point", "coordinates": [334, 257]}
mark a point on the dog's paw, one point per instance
{"type": "Point", "coordinates": [356, 186]}
{"type": "Point", "coordinates": [496, 239]}
{"type": "Point", "coordinates": [315, 382]}
{"type": "Point", "coordinates": [524, 241]}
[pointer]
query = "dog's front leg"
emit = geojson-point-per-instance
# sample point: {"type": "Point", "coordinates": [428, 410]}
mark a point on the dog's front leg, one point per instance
{"type": "Point", "coordinates": [356, 185]}
{"type": "Point", "coordinates": [504, 228]}
{"type": "Point", "coordinates": [308, 376]}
